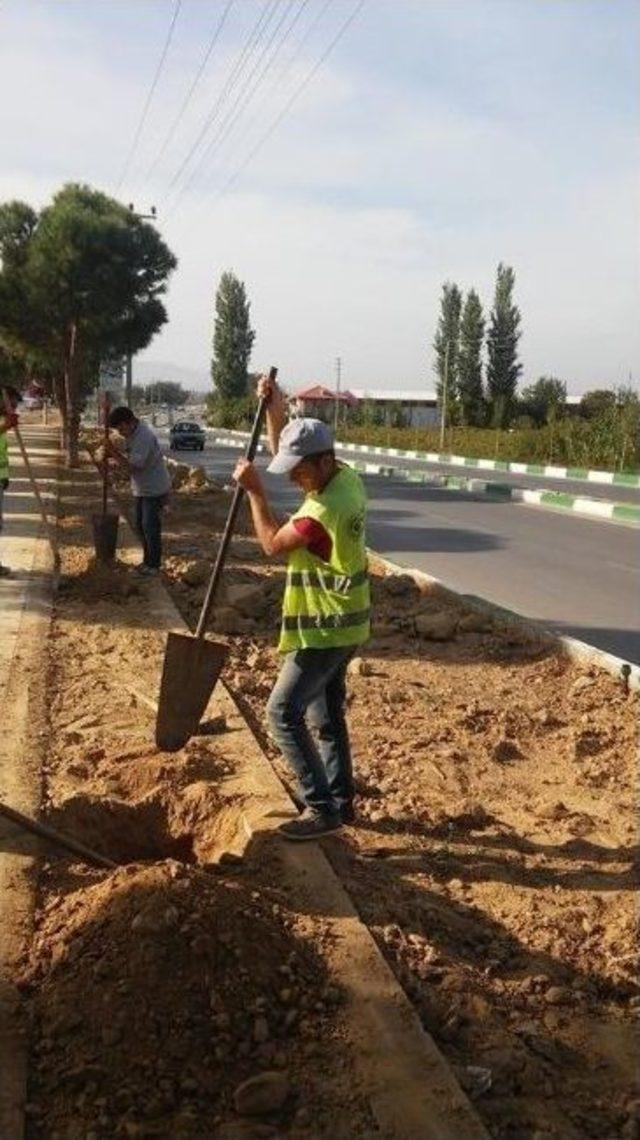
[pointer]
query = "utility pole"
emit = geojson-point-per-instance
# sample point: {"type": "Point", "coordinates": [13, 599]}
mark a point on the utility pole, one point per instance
{"type": "Point", "coordinates": [336, 405]}
{"type": "Point", "coordinates": [445, 385]}
{"type": "Point", "coordinates": [128, 379]}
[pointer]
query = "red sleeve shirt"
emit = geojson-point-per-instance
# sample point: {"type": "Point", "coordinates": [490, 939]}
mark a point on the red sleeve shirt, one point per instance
{"type": "Point", "coordinates": [318, 541]}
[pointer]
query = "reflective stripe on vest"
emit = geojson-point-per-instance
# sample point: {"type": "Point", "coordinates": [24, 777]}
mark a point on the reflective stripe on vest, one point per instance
{"type": "Point", "coordinates": [341, 583]}
{"type": "Point", "coordinates": [328, 621]}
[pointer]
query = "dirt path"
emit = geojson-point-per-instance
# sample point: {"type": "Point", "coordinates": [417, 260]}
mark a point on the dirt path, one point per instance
{"type": "Point", "coordinates": [492, 863]}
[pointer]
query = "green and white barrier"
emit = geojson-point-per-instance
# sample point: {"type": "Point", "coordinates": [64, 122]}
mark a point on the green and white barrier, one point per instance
{"type": "Point", "coordinates": [559, 500]}
{"type": "Point", "coordinates": [615, 478]}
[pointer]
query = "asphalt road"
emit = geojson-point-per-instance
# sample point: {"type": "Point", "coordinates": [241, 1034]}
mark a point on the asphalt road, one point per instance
{"type": "Point", "coordinates": [579, 576]}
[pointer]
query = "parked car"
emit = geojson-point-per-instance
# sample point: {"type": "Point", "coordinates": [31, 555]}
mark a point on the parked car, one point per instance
{"type": "Point", "coordinates": [186, 434]}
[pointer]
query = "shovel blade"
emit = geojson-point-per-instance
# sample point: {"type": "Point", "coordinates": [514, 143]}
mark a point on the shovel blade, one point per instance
{"type": "Point", "coordinates": [191, 668]}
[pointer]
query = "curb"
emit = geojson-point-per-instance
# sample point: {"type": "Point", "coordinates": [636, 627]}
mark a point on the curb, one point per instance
{"type": "Point", "coordinates": [615, 478]}
{"type": "Point", "coordinates": [555, 500]}
{"type": "Point", "coordinates": [587, 475]}
{"type": "Point", "coordinates": [580, 651]}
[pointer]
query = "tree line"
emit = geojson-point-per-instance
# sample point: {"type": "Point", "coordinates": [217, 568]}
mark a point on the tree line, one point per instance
{"type": "Point", "coordinates": [478, 368]}
{"type": "Point", "coordinates": [470, 391]}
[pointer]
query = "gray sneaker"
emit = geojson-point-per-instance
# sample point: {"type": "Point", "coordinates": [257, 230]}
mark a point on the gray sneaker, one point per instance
{"type": "Point", "coordinates": [310, 825]}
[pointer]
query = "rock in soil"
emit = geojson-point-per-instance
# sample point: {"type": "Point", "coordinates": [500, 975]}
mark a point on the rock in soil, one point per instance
{"type": "Point", "coordinates": [262, 1094]}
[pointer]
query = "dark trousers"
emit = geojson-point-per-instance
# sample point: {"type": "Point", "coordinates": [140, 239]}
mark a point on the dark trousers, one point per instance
{"type": "Point", "coordinates": [149, 527]}
{"type": "Point", "coordinates": [311, 693]}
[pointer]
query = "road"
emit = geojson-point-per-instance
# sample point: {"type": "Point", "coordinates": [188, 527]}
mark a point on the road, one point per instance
{"type": "Point", "coordinates": [604, 491]}
{"type": "Point", "coordinates": [576, 575]}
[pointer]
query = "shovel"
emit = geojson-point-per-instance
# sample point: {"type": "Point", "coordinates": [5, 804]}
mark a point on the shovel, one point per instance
{"type": "Point", "coordinates": [192, 664]}
{"type": "Point", "coordinates": [105, 525]}
{"type": "Point", "coordinates": [35, 488]}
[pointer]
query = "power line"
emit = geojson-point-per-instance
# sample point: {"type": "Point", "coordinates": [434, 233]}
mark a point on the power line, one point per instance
{"type": "Point", "coordinates": [296, 94]}
{"type": "Point", "coordinates": [246, 93]}
{"type": "Point", "coordinates": [190, 93]}
{"type": "Point", "coordinates": [154, 84]}
{"type": "Point", "coordinates": [281, 78]}
{"type": "Point", "coordinates": [253, 39]}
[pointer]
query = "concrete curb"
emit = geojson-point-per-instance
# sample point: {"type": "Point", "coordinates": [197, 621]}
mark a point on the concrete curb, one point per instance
{"type": "Point", "coordinates": [615, 478]}
{"type": "Point", "coordinates": [626, 671]}
{"type": "Point", "coordinates": [556, 500]}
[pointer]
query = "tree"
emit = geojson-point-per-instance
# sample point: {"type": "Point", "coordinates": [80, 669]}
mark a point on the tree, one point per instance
{"type": "Point", "coordinates": [596, 403]}
{"type": "Point", "coordinates": [80, 282]}
{"type": "Point", "coordinates": [446, 344]}
{"type": "Point", "coordinates": [503, 366]}
{"type": "Point", "coordinates": [470, 392]}
{"type": "Point", "coordinates": [232, 339]}
{"type": "Point", "coordinates": [166, 392]}
{"type": "Point", "coordinates": [544, 401]}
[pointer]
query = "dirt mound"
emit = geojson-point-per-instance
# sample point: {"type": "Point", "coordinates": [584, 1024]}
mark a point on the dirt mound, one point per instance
{"type": "Point", "coordinates": [189, 479]}
{"type": "Point", "coordinates": [155, 993]}
{"type": "Point", "coordinates": [86, 578]}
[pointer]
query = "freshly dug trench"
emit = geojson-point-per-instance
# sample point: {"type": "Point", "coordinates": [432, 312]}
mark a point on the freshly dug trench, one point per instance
{"type": "Point", "coordinates": [195, 827]}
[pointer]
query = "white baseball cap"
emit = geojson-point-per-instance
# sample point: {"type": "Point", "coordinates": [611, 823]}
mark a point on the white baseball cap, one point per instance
{"type": "Point", "coordinates": [299, 439]}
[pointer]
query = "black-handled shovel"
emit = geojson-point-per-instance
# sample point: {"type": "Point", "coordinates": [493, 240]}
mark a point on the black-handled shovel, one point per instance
{"type": "Point", "coordinates": [192, 664]}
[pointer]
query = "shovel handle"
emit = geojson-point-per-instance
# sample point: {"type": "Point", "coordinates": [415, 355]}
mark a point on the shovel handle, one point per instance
{"type": "Point", "coordinates": [238, 494]}
{"type": "Point", "coordinates": [59, 837]}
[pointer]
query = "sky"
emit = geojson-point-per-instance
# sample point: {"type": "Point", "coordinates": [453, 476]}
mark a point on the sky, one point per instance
{"type": "Point", "coordinates": [345, 177]}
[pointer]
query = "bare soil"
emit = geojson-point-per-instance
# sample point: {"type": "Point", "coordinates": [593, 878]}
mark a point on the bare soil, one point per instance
{"type": "Point", "coordinates": [493, 859]}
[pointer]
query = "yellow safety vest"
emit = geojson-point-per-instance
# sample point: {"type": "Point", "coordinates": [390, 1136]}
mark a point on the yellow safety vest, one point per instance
{"type": "Point", "coordinates": [327, 604]}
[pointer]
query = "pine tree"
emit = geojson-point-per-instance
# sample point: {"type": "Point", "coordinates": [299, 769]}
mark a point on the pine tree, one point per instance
{"type": "Point", "coordinates": [446, 344]}
{"type": "Point", "coordinates": [503, 366]}
{"type": "Point", "coordinates": [470, 392]}
{"type": "Point", "coordinates": [232, 339]}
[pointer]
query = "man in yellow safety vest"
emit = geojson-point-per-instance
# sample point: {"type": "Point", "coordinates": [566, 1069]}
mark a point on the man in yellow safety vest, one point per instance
{"type": "Point", "coordinates": [325, 613]}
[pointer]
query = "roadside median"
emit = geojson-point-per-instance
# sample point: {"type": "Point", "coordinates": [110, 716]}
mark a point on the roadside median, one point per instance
{"type": "Point", "coordinates": [496, 783]}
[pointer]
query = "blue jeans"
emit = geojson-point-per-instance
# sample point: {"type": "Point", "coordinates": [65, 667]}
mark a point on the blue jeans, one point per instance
{"type": "Point", "coordinates": [311, 693]}
{"type": "Point", "coordinates": [149, 527]}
